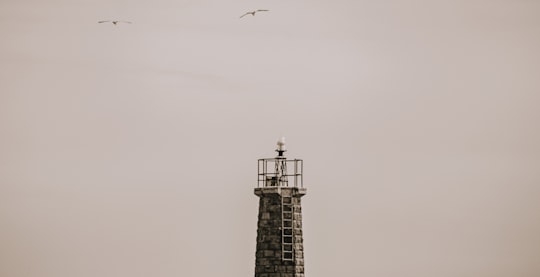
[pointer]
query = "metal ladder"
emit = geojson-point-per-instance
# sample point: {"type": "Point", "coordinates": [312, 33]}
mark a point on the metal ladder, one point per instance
{"type": "Point", "coordinates": [287, 228]}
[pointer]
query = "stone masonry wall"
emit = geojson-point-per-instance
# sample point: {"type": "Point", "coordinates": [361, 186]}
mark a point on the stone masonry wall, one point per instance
{"type": "Point", "coordinates": [269, 261]}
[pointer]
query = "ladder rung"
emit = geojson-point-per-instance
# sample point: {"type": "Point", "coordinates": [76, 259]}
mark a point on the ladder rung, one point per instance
{"type": "Point", "coordinates": [288, 257]}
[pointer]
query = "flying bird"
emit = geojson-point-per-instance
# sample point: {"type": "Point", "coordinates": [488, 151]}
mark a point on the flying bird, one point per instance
{"type": "Point", "coordinates": [114, 21]}
{"type": "Point", "coordinates": [253, 12]}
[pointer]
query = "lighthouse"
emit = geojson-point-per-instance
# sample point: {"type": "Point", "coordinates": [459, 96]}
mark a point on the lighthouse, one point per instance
{"type": "Point", "coordinates": [280, 247]}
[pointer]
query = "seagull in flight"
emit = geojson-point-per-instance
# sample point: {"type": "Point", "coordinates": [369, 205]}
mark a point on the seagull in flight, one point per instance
{"type": "Point", "coordinates": [114, 21]}
{"type": "Point", "coordinates": [253, 12]}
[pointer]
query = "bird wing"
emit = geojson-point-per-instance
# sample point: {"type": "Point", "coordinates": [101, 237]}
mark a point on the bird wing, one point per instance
{"type": "Point", "coordinates": [103, 21]}
{"type": "Point", "coordinates": [125, 21]}
{"type": "Point", "coordinates": [245, 14]}
{"type": "Point", "coordinates": [263, 10]}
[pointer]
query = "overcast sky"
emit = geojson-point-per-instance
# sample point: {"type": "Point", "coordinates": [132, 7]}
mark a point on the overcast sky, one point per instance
{"type": "Point", "coordinates": [131, 150]}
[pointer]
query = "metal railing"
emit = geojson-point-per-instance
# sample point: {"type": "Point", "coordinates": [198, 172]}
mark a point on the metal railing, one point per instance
{"type": "Point", "coordinates": [273, 172]}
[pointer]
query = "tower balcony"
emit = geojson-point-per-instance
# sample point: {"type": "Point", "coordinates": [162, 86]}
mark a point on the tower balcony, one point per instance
{"type": "Point", "coordinates": [280, 172]}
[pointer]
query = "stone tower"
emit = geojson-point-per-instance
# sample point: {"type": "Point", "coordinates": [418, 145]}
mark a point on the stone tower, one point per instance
{"type": "Point", "coordinates": [280, 250]}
